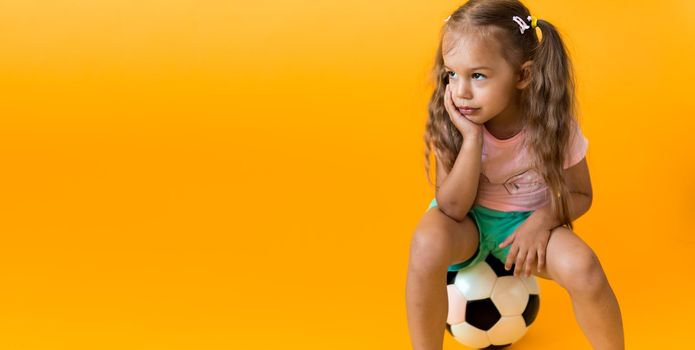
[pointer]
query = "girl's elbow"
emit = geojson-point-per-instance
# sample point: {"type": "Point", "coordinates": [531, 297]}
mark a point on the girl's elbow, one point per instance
{"type": "Point", "coordinates": [453, 211]}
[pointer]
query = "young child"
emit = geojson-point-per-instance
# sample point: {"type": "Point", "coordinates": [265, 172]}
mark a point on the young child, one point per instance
{"type": "Point", "coordinates": [511, 172]}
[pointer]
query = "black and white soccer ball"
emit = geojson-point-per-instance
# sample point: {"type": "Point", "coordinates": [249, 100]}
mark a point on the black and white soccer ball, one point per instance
{"type": "Point", "coordinates": [489, 306]}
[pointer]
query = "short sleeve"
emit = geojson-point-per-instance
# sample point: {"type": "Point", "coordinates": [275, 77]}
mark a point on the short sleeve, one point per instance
{"type": "Point", "coordinates": [578, 145]}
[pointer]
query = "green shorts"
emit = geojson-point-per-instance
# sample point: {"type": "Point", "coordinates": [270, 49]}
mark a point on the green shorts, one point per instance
{"type": "Point", "coordinates": [493, 227]}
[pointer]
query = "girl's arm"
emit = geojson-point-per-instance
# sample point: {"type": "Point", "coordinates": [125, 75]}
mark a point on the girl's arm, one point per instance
{"type": "Point", "coordinates": [457, 190]}
{"type": "Point", "coordinates": [579, 183]}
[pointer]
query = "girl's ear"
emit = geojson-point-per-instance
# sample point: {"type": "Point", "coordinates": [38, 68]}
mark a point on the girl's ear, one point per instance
{"type": "Point", "coordinates": [524, 75]}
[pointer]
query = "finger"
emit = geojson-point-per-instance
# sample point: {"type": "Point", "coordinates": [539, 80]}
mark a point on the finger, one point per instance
{"type": "Point", "coordinates": [530, 259]}
{"type": "Point", "coordinates": [449, 105]}
{"type": "Point", "coordinates": [507, 241]}
{"type": "Point", "coordinates": [541, 259]}
{"type": "Point", "coordinates": [519, 264]}
{"type": "Point", "coordinates": [511, 257]}
{"type": "Point", "coordinates": [447, 98]}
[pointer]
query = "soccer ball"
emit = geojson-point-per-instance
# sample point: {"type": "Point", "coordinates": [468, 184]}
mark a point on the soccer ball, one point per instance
{"type": "Point", "coordinates": [489, 306]}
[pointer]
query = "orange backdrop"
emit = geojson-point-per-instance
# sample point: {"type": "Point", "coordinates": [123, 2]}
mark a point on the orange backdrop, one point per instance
{"type": "Point", "coordinates": [247, 175]}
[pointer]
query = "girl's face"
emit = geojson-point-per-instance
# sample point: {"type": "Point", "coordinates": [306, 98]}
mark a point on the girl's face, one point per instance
{"type": "Point", "coordinates": [479, 77]}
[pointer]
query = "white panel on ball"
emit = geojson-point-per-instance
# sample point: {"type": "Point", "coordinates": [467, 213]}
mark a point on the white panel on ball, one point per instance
{"type": "Point", "coordinates": [507, 330]}
{"type": "Point", "coordinates": [477, 282]}
{"type": "Point", "coordinates": [531, 284]}
{"type": "Point", "coordinates": [457, 305]}
{"type": "Point", "coordinates": [510, 296]}
{"type": "Point", "coordinates": [470, 335]}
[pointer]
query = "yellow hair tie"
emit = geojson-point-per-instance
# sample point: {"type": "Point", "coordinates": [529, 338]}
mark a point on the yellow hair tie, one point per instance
{"type": "Point", "coordinates": [534, 20]}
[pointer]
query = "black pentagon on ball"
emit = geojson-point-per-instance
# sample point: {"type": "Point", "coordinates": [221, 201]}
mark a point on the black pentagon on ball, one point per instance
{"type": "Point", "coordinates": [498, 266]}
{"type": "Point", "coordinates": [450, 277]}
{"type": "Point", "coordinates": [482, 313]}
{"type": "Point", "coordinates": [491, 347]}
{"type": "Point", "coordinates": [531, 311]}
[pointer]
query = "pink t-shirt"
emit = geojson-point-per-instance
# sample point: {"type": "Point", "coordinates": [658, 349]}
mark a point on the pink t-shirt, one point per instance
{"type": "Point", "coordinates": [507, 183]}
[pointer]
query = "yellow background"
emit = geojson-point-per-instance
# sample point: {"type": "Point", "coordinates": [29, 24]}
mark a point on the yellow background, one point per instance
{"type": "Point", "coordinates": [247, 175]}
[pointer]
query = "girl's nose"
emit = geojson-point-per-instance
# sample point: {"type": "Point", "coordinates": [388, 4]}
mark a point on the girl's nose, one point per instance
{"type": "Point", "coordinates": [462, 90]}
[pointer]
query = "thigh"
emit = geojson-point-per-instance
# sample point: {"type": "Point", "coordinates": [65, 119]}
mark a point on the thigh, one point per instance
{"type": "Point", "coordinates": [460, 238]}
{"type": "Point", "coordinates": [564, 249]}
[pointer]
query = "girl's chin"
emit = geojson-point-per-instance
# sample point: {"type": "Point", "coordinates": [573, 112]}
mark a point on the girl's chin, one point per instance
{"type": "Point", "coordinates": [474, 118]}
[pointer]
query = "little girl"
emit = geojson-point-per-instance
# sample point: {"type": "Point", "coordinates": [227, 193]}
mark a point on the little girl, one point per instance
{"type": "Point", "coordinates": [503, 128]}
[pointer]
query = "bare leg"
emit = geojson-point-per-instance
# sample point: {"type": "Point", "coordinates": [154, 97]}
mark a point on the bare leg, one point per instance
{"type": "Point", "coordinates": [573, 265]}
{"type": "Point", "coordinates": [427, 306]}
{"type": "Point", "coordinates": [437, 243]}
{"type": "Point", "coordinates": [598, 314]}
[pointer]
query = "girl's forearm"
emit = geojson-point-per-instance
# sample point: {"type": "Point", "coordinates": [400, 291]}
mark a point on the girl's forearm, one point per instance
{"type": "Point", "coordinates": [457, 193]}
{"type": "Point", "coordinates": [579, 203]}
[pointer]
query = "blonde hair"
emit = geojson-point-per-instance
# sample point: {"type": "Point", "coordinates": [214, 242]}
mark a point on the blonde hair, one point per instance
{"type": "Point", "coordinates": [548, 102]}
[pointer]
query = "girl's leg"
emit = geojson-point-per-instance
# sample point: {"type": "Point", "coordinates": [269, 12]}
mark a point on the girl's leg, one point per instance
{"type": "Point", "coordinates": [438, 242]}
{"type": "Point", "coordinates": [573, 265]}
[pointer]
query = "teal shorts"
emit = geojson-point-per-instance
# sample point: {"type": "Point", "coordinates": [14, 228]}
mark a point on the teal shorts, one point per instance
{"type": "Point", "coordinates": [493, 227]}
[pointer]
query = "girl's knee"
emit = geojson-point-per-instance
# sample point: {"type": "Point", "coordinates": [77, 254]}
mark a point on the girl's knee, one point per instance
{"type": "Point", "coordinates": [582, 272]}
{"type": "Point", "coordinates": [429, 248]}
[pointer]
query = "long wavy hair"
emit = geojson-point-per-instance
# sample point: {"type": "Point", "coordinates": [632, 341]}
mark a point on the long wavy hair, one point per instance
{"type": "Point", "coordinates": [548, 103]}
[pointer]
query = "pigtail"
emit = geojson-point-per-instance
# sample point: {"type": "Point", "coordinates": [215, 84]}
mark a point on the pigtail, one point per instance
{"type": "Point", "coordinates": [441, 136]}
{"type": "Point", "coordinates": [550, 105]}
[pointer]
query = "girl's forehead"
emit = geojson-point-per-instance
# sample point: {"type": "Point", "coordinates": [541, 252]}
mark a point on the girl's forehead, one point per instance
{"type": "Point", "coordinates": [470, 50]}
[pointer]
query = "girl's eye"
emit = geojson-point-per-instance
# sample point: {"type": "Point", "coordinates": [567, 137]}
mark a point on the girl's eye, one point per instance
{"type": "Point", "coordinates": [474, 75]}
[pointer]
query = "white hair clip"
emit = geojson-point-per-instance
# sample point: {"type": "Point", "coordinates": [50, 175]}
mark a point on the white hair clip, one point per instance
{"type": "Point", "coordinates": [447, 18]}
{"type": "Point", "coordinates": [522, 25]}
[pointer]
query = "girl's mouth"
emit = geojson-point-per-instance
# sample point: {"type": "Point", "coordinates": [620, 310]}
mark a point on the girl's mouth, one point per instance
{"type": "Point", "coordinates": [468, 110]}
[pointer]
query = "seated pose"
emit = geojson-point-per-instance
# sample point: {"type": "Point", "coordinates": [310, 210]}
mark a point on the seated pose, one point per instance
{"type": "Point", "coordinates": [511, 171]}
